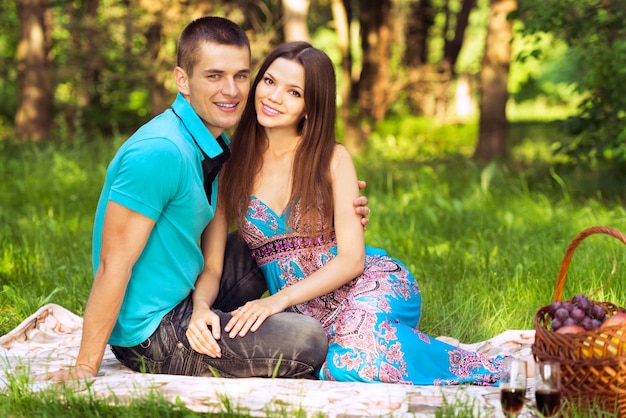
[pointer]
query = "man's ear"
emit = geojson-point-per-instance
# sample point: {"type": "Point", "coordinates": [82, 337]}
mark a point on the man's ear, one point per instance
{"type": "Point", "coordinates": [182, 80]}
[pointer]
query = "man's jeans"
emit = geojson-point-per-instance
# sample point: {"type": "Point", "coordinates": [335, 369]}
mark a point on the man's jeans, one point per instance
{"type": "Point", "coordinates": [286, 345]}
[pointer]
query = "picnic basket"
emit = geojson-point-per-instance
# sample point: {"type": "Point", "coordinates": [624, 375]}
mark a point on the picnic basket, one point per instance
{"type": "Point", "coordinates": [593, 362]}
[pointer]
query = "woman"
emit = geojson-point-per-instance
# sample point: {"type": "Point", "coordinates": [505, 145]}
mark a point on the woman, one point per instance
{"type": "Point", "coordinates": [289, 188]}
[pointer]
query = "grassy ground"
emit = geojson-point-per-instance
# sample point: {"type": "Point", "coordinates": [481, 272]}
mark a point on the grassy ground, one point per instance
{"type": "Point", "coordinates": [484, 243]}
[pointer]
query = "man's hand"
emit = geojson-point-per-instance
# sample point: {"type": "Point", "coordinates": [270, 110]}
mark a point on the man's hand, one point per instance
{"type": "Point", "coordinates": [360, 205]}
{"type": "Point", "coordinates": [125, 233]}
{"type": "Point", "coordinates": [78, 372]}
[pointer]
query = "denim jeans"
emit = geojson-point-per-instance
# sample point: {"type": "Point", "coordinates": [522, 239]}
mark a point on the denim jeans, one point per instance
{"type": "Point", "coordinates": [286, 345]}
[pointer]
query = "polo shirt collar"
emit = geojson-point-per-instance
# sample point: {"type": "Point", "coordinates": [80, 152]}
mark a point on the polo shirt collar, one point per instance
{"type": "Point", "coordinates": [196, 127]}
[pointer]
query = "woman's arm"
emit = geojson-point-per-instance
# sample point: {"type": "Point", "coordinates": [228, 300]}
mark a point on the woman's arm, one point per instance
{"type": "Point", "coordinates": [348, 263]}
{"type": "Point", "coordinates": [204, 327]}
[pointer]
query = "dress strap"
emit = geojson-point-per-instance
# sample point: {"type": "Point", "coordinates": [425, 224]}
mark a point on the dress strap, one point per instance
{"type": "Point", "coordinates": [290, 243]}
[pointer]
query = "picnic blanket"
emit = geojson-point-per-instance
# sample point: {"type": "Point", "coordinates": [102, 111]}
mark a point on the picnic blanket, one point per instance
{"type": "Point", "coordinates": [49, 339]}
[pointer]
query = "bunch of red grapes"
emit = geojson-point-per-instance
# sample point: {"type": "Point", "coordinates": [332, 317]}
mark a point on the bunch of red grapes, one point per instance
{"type": "Point", "coordinates": [579, 311]}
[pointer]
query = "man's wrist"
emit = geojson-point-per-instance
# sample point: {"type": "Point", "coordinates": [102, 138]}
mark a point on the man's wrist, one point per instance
{"type": "Point", "coordinates": [89, 367]}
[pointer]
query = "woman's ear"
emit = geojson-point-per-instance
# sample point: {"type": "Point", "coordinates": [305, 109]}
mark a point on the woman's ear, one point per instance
{"type": "Point", "coordinates": [182, 81]}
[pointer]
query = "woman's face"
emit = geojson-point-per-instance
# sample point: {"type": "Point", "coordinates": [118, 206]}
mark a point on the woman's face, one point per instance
{"type": "Point", "coordinates": [279, 96]}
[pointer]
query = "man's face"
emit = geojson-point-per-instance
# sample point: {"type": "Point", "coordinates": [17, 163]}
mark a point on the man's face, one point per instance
{"type": "Point", "coordinates": [219, 86]}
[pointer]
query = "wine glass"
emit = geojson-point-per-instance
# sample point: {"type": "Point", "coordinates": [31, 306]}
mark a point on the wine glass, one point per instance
{"type": "Point", "coordinates": [512, 386]}
{"type": "Point", "coordinates": [548, 387]}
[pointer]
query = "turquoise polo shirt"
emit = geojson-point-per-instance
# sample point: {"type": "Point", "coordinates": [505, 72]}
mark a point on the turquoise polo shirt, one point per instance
{"type": "Point", "coordinates": [158, 173]}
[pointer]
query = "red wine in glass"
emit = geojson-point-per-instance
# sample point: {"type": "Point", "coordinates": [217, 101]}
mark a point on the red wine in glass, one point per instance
{"type": "Point", "coordinates": [548, 402]}
{"type": "Point", "coordinates": [548, 387]}
{"type": "Point", "coordinates": [512, 400]}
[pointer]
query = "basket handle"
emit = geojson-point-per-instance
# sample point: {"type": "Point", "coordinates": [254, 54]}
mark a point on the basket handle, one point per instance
{"type": "Point", "coordinates": [560, 281]}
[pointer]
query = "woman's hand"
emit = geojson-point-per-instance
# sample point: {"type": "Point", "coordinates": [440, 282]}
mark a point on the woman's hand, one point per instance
{"type": "Point", "coordinates": [250, 316]}
{"type": "Point", "coordinates": [204, 331]}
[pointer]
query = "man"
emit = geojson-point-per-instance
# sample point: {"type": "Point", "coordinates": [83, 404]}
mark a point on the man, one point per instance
{"type": "Point", "coordinates": [159, 195]}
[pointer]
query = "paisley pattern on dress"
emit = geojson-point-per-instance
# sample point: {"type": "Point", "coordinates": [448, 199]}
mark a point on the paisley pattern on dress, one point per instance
{"type": "Point", "coordinates": [371, 321]}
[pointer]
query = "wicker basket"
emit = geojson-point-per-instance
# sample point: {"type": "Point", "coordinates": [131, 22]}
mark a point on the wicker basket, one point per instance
{"type": "Point", "coordinates": [593, 363]}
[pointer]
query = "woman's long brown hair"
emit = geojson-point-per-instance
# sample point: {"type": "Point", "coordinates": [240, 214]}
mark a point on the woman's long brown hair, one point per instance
{"type": "Point", "coordinates": [311, 182]}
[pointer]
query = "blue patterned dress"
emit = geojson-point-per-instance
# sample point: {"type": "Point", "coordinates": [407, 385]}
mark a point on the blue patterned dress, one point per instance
{"type": "Point", "coordinates": [371, 321]}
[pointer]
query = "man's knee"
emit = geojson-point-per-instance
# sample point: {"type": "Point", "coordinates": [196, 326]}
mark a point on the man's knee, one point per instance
{"type": "Point", "coordinates": [306, 337]}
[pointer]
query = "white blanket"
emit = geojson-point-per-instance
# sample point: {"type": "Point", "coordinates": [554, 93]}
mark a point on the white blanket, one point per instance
{"type": "Point", "coordinates": [49, 339]}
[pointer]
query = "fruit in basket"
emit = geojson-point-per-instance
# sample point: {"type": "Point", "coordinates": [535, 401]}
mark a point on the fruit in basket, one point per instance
{"type": "Point", "coordinates": [598, 312]}
{"type": "Point", "coordinates": [606, 344]}
{"type": "Point", "coordinates": [570, 329]}
{"type": "Point", "coordinates": [579, 311]}
{"type": "Point", "coordinates": [613, 347]}
{"type": "Point", "coordinates": [582, 302]}
{"type": "Point", "coordinates": [619, 319]}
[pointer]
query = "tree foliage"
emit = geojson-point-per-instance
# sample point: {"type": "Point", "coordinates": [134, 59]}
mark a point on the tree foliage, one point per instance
{"type": "Point", "coordinates": [596, 34]}
{"type": "Point", "coordinates": [111, 60]}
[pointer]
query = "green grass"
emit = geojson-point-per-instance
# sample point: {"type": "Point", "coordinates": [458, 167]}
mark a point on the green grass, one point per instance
{"type": "Point", "coordinates": [484, 242]}
{"type": "Point", "coordinates": [486, 245]}
{"type": "Point", "coordinates": [47, 201]}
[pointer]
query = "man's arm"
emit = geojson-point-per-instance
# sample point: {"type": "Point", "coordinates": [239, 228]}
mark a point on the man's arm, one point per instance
{"type": "Point", "coordinates": [360, 206]}
{"type": "Point", "coordinates": [124, 236]}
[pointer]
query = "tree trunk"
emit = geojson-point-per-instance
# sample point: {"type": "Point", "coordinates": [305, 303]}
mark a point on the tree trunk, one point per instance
{"type": "Point", "coordinates": [375, 80]}
{"type": "Point", "coordinates": [452, 47]}
{"type": "Point", "coordinates": [494, 76]}
{"type": "Point", "coordinates": [342, 27]}
{"type": "Point", "coordinates": [88, 48]}
{"type": "Point", "coordinates": [163, 23]}
{"type": "Point", "coordinates": [295, 14]}
{"type": "Point", "coordinates": [420, 19]}
{"type": "Point", "coordinates": [342, 17]}
{"type": "Point", "coordinates": [160, 98]}
{"type": "Point", "coordinates": [85, 60]}
{"type": "Point", "coordinates": [451, 50]}
{"type": "Point", "coordinates": [33, 118]}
